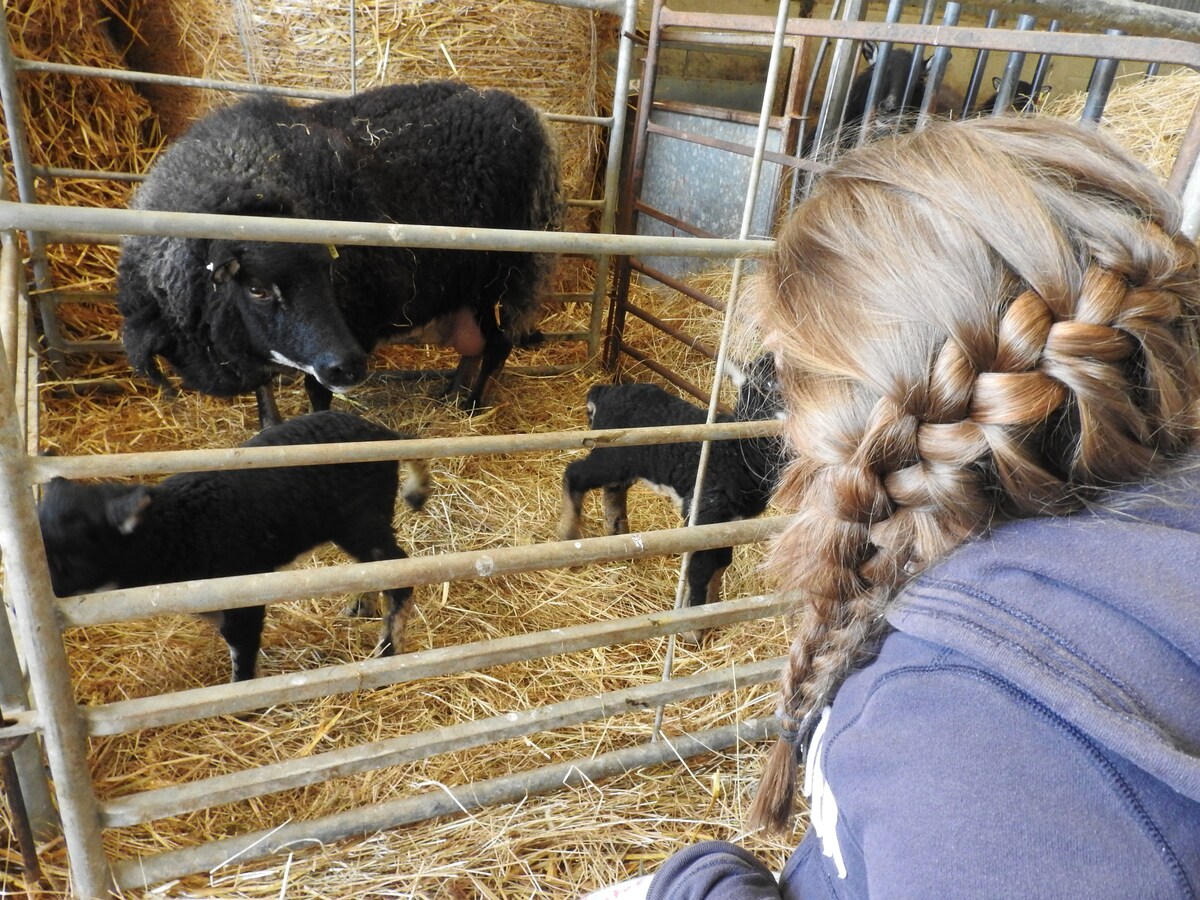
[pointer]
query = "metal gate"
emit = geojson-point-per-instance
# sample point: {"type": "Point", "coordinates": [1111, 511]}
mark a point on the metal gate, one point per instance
{"type": "Point", "coordinates": [64, 726]}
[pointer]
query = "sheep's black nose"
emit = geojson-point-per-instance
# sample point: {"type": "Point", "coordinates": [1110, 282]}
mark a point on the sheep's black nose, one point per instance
{"type": "Point", "coordinates": [339, 374]}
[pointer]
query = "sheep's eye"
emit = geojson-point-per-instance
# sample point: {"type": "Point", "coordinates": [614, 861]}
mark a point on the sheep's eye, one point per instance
{"type": "Point", "coordinates": [258, 292]}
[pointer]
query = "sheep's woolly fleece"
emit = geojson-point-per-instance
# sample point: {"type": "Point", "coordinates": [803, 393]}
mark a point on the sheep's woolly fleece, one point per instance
{"type": "Point", "coordinates": [431, 153]}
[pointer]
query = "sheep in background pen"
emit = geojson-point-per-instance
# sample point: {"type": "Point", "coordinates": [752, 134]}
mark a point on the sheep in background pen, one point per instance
{"type": "Point", "coordinates": [1024, 99]}
{"type": "Point", "coordinates": [198, 525]}
{"type": "Point", "coordinates": [228, 314]}
{"type": "Point", "coordinates": [738, 483]}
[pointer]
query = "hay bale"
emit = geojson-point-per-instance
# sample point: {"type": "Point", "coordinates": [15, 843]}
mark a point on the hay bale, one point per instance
{"type": "Point", "coordinates": [550, 56]}
{"type": "Point", "coordinates": [1147, 116]}
{"type": "Point", "coordinates": [78, 123]}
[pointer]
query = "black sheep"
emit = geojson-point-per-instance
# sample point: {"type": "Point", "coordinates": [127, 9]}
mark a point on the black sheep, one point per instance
{"type": "Point", "coordinates": [891, 99]}
{"type": "Point", "coordinates": [1024, 99]}
{"type": "Point", "coordinates": [227, 314]}
{"type": "Point", "coordinates": [738, 483]}
{"type": "Point", "coordinates": [198, 525]}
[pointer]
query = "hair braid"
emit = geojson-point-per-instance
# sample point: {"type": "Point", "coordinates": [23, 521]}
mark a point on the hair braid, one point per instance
{"type": "Point", "coordinates": [980, 321]}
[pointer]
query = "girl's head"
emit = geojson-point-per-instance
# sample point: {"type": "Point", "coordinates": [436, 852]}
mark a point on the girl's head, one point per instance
{"type": "Point", "coordinates": [979, 321]}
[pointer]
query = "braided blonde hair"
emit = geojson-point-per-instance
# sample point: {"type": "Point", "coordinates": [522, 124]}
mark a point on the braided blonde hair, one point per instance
{"type": "Point", "coordinates": [980, 321]}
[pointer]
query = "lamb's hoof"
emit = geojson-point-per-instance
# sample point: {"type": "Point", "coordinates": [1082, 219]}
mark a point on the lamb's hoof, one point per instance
{"type": "Point", "coordinates": [362, 607]}
{"type": "Point", "coordinates": [693, 637]}
{"type": "Point", "coordinates": [532, 339]}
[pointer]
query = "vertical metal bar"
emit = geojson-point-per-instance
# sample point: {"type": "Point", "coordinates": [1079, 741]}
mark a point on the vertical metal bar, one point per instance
{"type": "Point", "coordinates": [21, 828]}
{"type": "Point", "coordinates": [760, 144]}
{"type": "Point", "coordinates": [612, 170]}
{"type": "Point", "coordinates": [1185, 175]}
{"type": "Point", "coordinates": [1007, 89]}
{"type": "Point", "coordinates": [918, 59]}
{"type": "Point", "coordinates": [13, 693]}
{"type": "Point", "coordinates": [1103, 73]}
{"type": "Point", "coordinates": [895, 8]}
{"type": "Point", "coordinates": [633, 185]}
{"type": "Point", "coordinates": [27, 758]}
{"type": "Point", "coordinates": [806, 141]}
{"type": "Point", "coordinates": [1152, 69]}
{"type": "Point", "coordinates": [18, 145]}
{"type": "Point", "coordinates": [981, 60]}
{"type": "Point", "coordinates": [1043, 65]}
{"type": "Point", "coordinates": [837, 86]}
{"type": "Point", "coordinates": [353, 47]}
{"type": "Point", "coordinates": [937, 69]}
{"type": "Point", "coordinates": [28, 583]}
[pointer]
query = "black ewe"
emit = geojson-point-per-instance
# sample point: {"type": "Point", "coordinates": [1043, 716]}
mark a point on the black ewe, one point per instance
{"type": "Point", "coordinates": [227, 314]}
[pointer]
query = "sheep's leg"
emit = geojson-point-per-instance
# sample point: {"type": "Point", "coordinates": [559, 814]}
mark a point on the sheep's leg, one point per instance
{"type": "Point", "coordinates": [242, 630]}
{"type": "Point", "coordinates": [704, 574]}
{"type": "Point", "coordinates": [362, 607]}
{"type": "Point", "coordinates": [570, 520]}
{"type": "Point", "coordinates": [372, 544]}
{"type": "Point", "coordinates": [496, 348]}
{"type": "Point", "coordinates": [320, 398]}
{"type": "Point", "coordinates": [705, 570]}
{"type": "Point", "coordinates": [395, 621]}
{"type": "Point", "coordinates": [616, 512]}
{"type": "Point", "coordinates": [268, 410]}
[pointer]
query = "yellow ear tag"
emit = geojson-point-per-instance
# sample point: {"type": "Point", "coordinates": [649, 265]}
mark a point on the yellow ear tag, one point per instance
{"type": "Point", "coordinates": [333, 251]}
{"type": "Point", "coordinates": [496, 310]}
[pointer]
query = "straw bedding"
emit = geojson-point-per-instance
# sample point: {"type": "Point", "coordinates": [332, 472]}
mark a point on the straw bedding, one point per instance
{"type": "Point", "coordinates": [573, 840]}
{"type": "Point", "coordinates": [569, 842]}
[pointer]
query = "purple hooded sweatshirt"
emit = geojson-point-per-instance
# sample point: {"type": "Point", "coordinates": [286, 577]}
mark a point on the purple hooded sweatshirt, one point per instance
{"type": "Point", "coordinates": [1031, 728]}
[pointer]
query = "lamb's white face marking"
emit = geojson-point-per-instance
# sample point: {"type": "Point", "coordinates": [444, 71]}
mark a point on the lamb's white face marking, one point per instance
{"type": "Point", "coordinates": [278, 357]}
{"type": "Point", "coordinates": [667, 491]}
{"type": "Point", "coordinates": [233, 660]}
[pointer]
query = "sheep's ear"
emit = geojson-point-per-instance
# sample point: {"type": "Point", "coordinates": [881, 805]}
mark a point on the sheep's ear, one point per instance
{"type": "Point", "coordinates": [125, 512]}
{"type": "Point", "coordinates": [870, 52]}
{"type": "Point", "coordinates": [995, 82]}
{"type": "Point", "coordinates": [221, 272]}
{"type": "Point", "coordinates": [1042, 92]}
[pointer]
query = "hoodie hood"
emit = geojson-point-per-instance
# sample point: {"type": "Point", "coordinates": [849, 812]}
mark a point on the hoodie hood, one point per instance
{"type": "Point", "coordinates": [1096, 614]}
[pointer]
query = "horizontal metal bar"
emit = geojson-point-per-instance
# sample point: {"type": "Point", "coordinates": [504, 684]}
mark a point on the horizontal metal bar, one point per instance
{"type": "Point", "coordinates": [616, 7]}
{"type": "Point", "coordinates": [1133, 17]}
{"type": "Point", "coordinates": [92, 174]}
{"type": "Point", "coordinates": [242, 87]}
{"type": "Point", "coordinates": [688, 340]}
{"type": "Point", "coordinates": [93, 220]}
{"type": "Point", "coordinates": [703, 140]}
{"type": "Point", "coordinates": [43, 468]}
{"type": "Point", "coordinates": [107, 607]}
{"type": "Point", "coordinates": [1060, 43]}
{"type": "Point", "coordinates": [72, 346]}
{"type": "Point", "coordinates": [677, 285]}
{"type": "Point", "coordinates": [20, 723]}
{"type": "Point", "coordinates": [675, 222]}
{"type": "Point", "coordinates": [143, 871]}
{"type": "Point", "coordinates": [655, 366]}
{"type": "Point", "coordinates": [126, 716]}
{"type": "Point", "coordinates": [149, 806]}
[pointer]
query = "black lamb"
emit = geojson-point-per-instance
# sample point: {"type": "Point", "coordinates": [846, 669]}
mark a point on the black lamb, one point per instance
{"type": "Point", "coordinates": [227, 314]}
{"type": "Point", "coordinates": [199, 525]}
{"type": "Point", "coordinates": [738, 483]}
